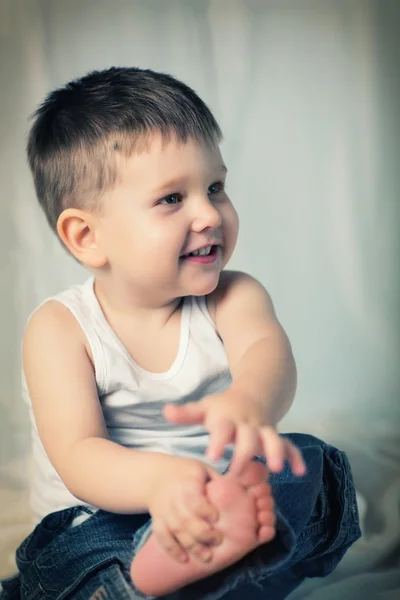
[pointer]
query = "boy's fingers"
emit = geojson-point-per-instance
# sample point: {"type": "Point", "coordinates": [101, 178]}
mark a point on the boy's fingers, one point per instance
{"type": "Point", "coordinates": [197, 538]}
{"type": "Point", "coordinates": [222, 433]}
{"type": "Point", "coordinates": [275, 451]}
{"type": "Point", "coordinates": [200, 532]}
{"type": "Point", "coordinates": [247, 445]}
{"type": "Point", "coordinates": [197, 504]}
{"type": "Point", "coordinates": [169, 542]}
{"type": "Point", "coordinates": [202, 553]}
{"type": "Point", "coordinates": [295, 459]}
{"type": "Point", "coordinates": [190, 413]}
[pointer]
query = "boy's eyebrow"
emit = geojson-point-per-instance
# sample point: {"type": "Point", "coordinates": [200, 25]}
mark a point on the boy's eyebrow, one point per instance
{"type": "Point", "coordinates": [179, 180]}
{"type": "Point", "coordinates": [172, 183]}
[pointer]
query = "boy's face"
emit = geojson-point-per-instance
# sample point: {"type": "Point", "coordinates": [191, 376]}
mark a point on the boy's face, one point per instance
{"type": "Point", "coordinates": [169, 201]}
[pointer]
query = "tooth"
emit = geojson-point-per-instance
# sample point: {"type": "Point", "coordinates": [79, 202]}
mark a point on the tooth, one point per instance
{"type": "Point", "coordinates": [202, 252]}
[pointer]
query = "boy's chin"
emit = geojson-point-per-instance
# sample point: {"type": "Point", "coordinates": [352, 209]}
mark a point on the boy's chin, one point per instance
{"type": "Point", "coordinates": [203, 288]}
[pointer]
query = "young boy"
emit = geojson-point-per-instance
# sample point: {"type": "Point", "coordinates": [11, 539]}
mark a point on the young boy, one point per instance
{"type": "Point", "coordinates": [150, 380]}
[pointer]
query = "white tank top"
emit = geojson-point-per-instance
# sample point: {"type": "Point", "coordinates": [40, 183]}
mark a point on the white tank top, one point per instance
{"type": "Point", "coordinates": [132, 399]}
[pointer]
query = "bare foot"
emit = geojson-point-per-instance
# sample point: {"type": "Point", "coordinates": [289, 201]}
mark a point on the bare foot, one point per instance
{"type": "Point", "coordinates": [247, 520]}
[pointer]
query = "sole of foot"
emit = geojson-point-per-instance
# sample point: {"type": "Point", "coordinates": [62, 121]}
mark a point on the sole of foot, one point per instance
{"type": "Point", "coordinates": [247, 520]}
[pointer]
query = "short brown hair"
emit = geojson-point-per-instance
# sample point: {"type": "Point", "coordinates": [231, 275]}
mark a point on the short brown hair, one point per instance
{"type": "Point", "coordinates": [80, 127]}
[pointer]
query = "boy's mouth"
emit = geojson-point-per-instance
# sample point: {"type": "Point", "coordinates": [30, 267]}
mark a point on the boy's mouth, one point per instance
{"type": "Point", "coordinates": [205, 255]}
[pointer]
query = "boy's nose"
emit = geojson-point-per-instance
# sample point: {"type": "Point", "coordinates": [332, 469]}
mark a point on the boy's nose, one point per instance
{"type": "Point", "coordinates": [207, 216]}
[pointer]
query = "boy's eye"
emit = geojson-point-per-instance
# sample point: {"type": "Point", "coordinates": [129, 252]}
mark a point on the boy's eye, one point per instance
{"type": "Point", "coordinates": [171, 199]}
{"type": "Point", "coordinates": [216, 188]}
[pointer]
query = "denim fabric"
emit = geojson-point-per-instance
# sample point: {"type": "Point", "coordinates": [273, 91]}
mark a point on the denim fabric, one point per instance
{"type": "Point", "coordinates": [317, 523]}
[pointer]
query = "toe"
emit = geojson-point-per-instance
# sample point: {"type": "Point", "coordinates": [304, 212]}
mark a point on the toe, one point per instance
{"type": "Point", "coordinates": [265, 503]}
{"type": "Point", "coordinates": [266, 518]}
{"type": "Point", "coordinates": [266, 534]}
{"type": "Point", "coordinates": [260, 490]}
{"type": "Point", "coordinates": [224, 493]}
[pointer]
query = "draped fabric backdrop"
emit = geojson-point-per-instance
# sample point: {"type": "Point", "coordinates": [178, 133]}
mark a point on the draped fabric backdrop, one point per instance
{"type": "Point", "coordinates": [308, 94]}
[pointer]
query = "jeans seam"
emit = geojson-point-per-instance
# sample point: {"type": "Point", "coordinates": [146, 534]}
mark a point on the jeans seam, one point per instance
{"type": "Point", "coordinates": [342, 531]}
{"type": "Point", "coordinates": [313, 529]}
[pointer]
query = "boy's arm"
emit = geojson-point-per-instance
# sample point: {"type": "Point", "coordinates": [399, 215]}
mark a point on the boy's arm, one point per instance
{"type": "Point", "coordinates": [263, 373]}
{"type": "Point", "coordinates": [68, 415]}
{"type": "Point", "coordinates": [259, 353]}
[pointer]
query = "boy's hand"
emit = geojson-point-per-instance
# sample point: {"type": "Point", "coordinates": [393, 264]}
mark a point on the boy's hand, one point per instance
{"type": "Point", "coordinates": [181, 513]}
{"type": "Point", "coordinates": [231, 419]}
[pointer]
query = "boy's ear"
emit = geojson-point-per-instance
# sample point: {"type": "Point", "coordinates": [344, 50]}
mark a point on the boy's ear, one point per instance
{"type": "Point", "coordinates": [76, 229]}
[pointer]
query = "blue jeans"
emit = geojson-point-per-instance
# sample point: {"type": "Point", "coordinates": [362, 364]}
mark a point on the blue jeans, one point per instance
{"type": "Point", "coordinates": [317, 523]}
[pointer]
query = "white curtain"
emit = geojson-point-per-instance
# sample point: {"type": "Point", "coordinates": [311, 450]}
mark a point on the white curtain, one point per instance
{"type": "Point", "coordinates": [307, 93]}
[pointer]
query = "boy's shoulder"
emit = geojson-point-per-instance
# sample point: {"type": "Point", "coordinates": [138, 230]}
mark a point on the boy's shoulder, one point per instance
{"type": "Point", "coordinates": [243, 313]}
{"type": "Point", "coordinates": [51, 311]}
{"type": "Point", "coordinates": [55, 311]}
{"type": "Point", "coordinates": [50, 323]}
{"type": "Point", "coordinates": [235, 289]}
{"type": "Point", "coordinates": [230, 279]}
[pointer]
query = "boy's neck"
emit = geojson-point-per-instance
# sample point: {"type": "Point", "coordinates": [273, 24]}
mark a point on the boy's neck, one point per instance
{"type": "Point", "coordinates": [125, 305]}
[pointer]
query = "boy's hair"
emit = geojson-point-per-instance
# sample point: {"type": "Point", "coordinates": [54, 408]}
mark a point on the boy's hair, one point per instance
{"type": "Point", "coordinates": [80, 128]}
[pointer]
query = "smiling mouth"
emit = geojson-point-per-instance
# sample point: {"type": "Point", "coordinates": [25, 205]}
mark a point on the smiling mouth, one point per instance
{"type": "Point", "coordinates": [206, 251]}
{"type": "Point", "coordinates": [205, 255]}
